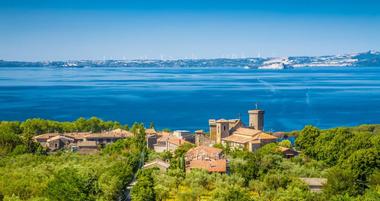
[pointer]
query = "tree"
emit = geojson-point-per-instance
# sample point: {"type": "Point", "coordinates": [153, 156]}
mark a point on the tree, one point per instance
{"type": "Point", "coordinates": [276, 181]}
{"type": "Point", "coordinates": [69, 185]}
{"type": "Point", "coordinates": [197, 182]}
{"type": "Point", "coordinates": [164, 185]}
{"type": "Point", "coordinates": [178, 176]}
{"type": "Point", "coordinates": [230, 193]}
{"type": "Point", "coordinates": [246, 165]}
{"type": "Point", "coordinates": [362, 164]}
{"type": "Point", "coordinates": [307, 138]}
{"type": "Point", "coordinates": [340, 181]}
{"type": "Point", "coordinates": [143, 190]}
{"type": "Point", "coordinates": [285, 143]}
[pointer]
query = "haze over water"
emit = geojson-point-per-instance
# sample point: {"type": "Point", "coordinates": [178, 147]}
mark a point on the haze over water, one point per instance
{"type": "Point", "coordinates": [185, 98]}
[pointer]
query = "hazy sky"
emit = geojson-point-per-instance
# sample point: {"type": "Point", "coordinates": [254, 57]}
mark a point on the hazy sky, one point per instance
{"type": "Point", "coordinates": [93, 29]}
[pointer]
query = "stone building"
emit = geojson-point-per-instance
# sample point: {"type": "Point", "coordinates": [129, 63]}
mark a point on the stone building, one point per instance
{"type": "Point", "coordinates": [206, 158]}
{"type": "Point", "coordinates": [201, 138]}
{"type": "Point", "coordinates": [167, 141]}
{"type": "Point", "coordinates": [233, 132]}
{"type": "Point", "coordinates": [56, 141]}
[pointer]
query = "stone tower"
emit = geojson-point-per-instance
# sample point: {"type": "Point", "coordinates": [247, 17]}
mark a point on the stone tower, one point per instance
{"type": "Point", "coordinates": [199, 138]}
{"type": "Point", "coordinates": [256, 119]}
{"type": "Point", "coordinates": [212, 124]}
{"type": "Point", "coordinates": [222, 130]}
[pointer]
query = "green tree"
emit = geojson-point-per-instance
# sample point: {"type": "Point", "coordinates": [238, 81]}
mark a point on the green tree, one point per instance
{"type": "Point", "coordinates": [143, 190]}
{"type": "Point", "coordinates": [68, 185]}
{"type": "Point", "coordinates": [230, 193]}
{"type": "Point", "coordinates": [362, 164]}
{"type": "Point", "coordinates": [285, 143]}
{"type": "Point", "coordinates": [307, 138]}
{"type": "Point", "coordinates": [340, 182]}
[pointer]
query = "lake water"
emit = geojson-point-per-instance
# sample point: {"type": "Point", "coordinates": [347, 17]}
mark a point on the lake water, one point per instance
{"type": "Point", "coordinates": [179, 98]}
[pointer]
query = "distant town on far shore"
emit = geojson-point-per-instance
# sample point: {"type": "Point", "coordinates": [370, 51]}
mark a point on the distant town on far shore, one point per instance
{"type": "Point", "coordinates": [365, 59]}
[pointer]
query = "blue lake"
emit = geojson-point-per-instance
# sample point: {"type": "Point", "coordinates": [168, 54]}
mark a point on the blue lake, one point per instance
{"type": "Point", "coordinates": [185, 98]}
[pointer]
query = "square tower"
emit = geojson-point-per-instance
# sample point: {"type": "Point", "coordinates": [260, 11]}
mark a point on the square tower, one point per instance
{"type": "Point", "coordinates": [256, 119]}
{"type": "Point", "coordinates": [222, 130]}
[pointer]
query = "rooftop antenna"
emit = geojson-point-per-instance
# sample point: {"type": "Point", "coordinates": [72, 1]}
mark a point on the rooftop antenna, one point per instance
{"type": "Point", "coordinates": [256, 106]}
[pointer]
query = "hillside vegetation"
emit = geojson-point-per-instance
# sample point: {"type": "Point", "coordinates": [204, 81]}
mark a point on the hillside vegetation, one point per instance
{"type": "Point", "coordinates": [348, 157]}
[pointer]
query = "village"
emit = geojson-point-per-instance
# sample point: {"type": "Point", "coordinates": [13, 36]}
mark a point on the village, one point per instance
{"type": "Point", "coordinates": [204, 155]}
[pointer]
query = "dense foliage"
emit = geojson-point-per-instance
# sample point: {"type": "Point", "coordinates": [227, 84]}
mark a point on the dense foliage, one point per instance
{"type": "Point", "coordinates": [16, 137]}
{"type": "Point", "coordinates": [348, 157]}
{"type": "Point", "coordinates": [353, 155]}
{"type": "Point", "coordinates": [29, 174]}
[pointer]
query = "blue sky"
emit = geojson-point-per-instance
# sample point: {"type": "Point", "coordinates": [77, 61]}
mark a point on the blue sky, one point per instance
{"type": "Point", "coordinates": [84, 29]}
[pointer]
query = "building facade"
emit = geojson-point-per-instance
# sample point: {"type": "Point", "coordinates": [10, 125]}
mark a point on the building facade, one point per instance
{"type": "Point", "coordinates": [234, 134]}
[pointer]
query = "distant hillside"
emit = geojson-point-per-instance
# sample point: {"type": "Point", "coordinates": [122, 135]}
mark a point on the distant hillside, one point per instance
{"type": "Point", "coordinates": [370, 58]}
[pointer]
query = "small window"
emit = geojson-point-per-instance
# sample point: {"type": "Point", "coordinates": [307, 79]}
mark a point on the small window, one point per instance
{"type": "Point", "coordinates": [224, 127]}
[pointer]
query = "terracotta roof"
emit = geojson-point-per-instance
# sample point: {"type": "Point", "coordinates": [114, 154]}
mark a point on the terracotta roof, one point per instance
{"type": "Point", "coordinates": [116, 133]}
{"type": "Point", "coordinates": [205, 149]}
{"type": "Point", "coordinates": [59, 137]}
{"type": "Point", "coordinates": [247, 131]}
{"type": "Point", "coordinates": [177, 141]}
{"type": "Point", "coordinates": [238, 139]}
{"type": "Point", "coordinates": [77, 136]}
{"type": "Point", "coordinates": [211, 166]}
{"type": "Point", "coordinates": [164, 133]}
{"type": "Point", "coordinates": [110, 134]}
{"type": "Point", "coordinates": [245, 135]}
{"type": "Point", "coordinates": [45, 136]}
{"type": "Point", "coordinates": [264, 136]}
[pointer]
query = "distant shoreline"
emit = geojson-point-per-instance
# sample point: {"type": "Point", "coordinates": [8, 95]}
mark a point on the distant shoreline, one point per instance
{"type": "Point", "coordinates": [366, 59]}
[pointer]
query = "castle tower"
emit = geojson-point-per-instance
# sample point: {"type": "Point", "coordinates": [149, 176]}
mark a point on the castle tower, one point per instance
{"type": "Point", "coordinates": [222, 130]}
{"type": "Point", "coordinates": [256, 119]}
{"type": "Point", "coordinates": [212, 129]}
{"type": "Point", "coordinates": [199, 138]}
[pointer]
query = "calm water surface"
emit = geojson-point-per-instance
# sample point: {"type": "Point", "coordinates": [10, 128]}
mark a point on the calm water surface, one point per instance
{"type": "Point", "coordinates": [180, 98]}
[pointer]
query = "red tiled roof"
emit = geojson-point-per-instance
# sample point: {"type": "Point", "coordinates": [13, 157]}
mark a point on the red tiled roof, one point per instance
{"type": "Point", "coordinates": [177, 141]}
{"type": "Point", "coordinates": [210, 166]}
{"type": "Point", "coordinates": [206, 149]}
